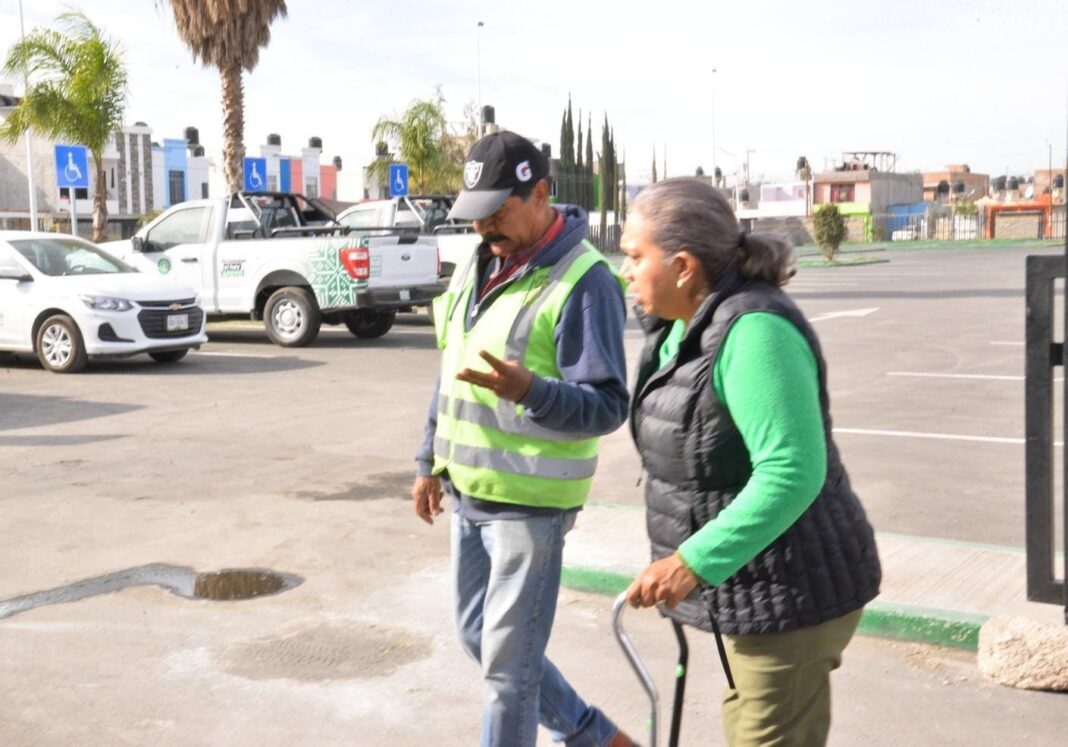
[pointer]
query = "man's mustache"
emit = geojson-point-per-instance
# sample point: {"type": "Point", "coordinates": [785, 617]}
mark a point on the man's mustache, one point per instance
{"type": "Point", "coordinates": [493, 238]}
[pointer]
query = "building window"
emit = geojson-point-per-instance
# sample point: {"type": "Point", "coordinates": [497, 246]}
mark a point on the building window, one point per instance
{"type": "Point", "coordinates": [80, 193]}
{"type": "Point", "coordinates": [176, 181]}
{"type": "Point", "coordinates": [203, 190]}
{"type": "Point", "coordinates": [311, 188]}
{"type": "Point", "coordinates": [272, 183]}
{"type": "Point", "coordinates": [842, 192]}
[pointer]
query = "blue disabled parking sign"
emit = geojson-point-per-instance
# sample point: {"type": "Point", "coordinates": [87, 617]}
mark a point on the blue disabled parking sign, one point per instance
{"type": "Point", "coordinates": [255, 174]}
{"type": "Point", "coordinates": [72, 166]}
{"type": "Point", "coordinates": [398, 180]}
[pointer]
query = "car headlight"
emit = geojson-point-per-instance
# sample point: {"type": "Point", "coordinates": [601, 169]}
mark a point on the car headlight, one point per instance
{"type": "Point", "coordinates": [106, 303]}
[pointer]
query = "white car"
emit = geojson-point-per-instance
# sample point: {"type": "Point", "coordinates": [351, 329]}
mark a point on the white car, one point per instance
{"type": "Point", "coordinates": [67, 301]}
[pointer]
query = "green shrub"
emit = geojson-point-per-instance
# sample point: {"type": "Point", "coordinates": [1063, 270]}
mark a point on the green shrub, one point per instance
{"type": "Point", "coordinates": [966, 207]}
{"type": "Point", "coordinates": [830, 230]}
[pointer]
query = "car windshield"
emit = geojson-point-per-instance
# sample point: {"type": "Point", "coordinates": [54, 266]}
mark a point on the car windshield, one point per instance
{"type": "Point", "coordinates": [60, 256]}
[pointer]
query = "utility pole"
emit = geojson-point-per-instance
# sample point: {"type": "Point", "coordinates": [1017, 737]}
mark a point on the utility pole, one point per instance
{"type": "Point", "coordinates": [478, 72]}
{"type": "Point", "coordinates": [29, 144]}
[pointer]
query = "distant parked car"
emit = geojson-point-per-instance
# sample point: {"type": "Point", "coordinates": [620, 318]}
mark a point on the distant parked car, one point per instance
{"type": "Point", "coordinates": [67, 301]}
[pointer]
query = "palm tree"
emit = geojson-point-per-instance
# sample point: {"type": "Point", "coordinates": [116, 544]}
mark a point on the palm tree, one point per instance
{"type": "Point", "coordinates": [78, 94]}
{"type": "Point", "coordinates": [228, 34]}
{"type": "Point", "coordinates": [421, 139]}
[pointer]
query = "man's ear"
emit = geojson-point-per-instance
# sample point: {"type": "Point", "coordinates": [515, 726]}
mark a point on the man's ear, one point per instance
{"type": "Point", "coordinates": [541, 192]}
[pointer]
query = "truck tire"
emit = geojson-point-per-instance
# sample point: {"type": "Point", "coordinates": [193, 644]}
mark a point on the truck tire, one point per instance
{"type": "Point", "coordinates": [291, 317]}
{"type": "Point", "coordinates": [60, 348]}
{"type": "Point", "coordinates": [368, 324]}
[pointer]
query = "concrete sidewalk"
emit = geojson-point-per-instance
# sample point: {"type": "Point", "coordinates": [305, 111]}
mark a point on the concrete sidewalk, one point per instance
{"type": "Point", "coordinates": [933, 591]}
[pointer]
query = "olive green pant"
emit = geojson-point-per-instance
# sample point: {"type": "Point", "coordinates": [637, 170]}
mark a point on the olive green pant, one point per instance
{"type": "Point", "coordinates": [783, 682]}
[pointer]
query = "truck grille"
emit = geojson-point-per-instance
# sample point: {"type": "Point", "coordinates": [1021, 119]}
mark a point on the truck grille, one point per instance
{"type": "Point", "coordinates": [154, 322]}
{"type": "Point", "coordinates": [166, 304]}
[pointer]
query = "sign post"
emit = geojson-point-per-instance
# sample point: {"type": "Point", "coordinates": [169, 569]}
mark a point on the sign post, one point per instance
{"type": "Point", "coordinates": [72, 173]}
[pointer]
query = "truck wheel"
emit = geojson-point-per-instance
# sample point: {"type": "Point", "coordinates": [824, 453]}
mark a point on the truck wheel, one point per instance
{"type": "Point", "coordinates": [60, 348]}
{"type": "Point", "coordinates": [292, 317]}
{"type": "Point", "coordinates": [368, 324]}
{"type": "Point", "coordinates": [168, 356]}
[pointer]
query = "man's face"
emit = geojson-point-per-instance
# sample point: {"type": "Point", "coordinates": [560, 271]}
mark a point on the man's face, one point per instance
{"type": "Point", "coordinates": [516, 225]}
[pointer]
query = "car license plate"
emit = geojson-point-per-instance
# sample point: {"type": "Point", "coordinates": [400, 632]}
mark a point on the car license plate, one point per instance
{"type": "Point", "coordinates": [406, 295]}
{"type": "Point", "coordinates": [177, 322]}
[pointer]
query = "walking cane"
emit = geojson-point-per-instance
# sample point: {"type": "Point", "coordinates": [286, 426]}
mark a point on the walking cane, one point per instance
{"type": "Point", "coordinates": [680, 670]}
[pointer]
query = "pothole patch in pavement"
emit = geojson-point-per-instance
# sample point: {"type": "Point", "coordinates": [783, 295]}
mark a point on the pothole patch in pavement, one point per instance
{"type": "Point", "coordinates": [226, 585]}
{"type": "Point", "coordinates": [381, 485]}
{"type": "Point", "coordinates": [331, 651]}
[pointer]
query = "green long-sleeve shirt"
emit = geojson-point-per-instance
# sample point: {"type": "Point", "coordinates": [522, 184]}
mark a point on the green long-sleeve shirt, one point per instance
{"type": "Point", "coordinates": [766, 376]}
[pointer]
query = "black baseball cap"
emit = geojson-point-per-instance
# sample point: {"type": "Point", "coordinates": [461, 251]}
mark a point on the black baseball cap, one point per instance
{"type": "Point", "coordinates": [497, 166]}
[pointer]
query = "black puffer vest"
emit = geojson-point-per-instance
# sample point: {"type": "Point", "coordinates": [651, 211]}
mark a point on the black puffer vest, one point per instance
{"type": "Point", "coordinates": [825, 565]}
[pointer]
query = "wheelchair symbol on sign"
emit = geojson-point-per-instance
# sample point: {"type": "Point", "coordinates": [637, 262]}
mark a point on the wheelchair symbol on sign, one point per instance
{"type": "Point", "coordinates": [71, 170]}
{"type": "Point", "coordinates": [254, 179]}
{"type": "Point", "coordinates": [398, 182]}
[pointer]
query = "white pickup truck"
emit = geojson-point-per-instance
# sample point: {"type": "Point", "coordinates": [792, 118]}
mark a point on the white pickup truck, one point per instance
{"type": "Point", "coordinates": [285, 259]}
{"type": "Point", "coordinates": [425, 214]}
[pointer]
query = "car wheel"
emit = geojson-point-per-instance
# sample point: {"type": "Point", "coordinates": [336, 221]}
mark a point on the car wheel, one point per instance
{"type": "Point", "coordinates": [368, 324]}
{"type": "Point", "coordinates": [292, 317]}
{"type": "Point", "coordinates": [168, 356]}
{"type": "Point", "coordinates": [60, 348]}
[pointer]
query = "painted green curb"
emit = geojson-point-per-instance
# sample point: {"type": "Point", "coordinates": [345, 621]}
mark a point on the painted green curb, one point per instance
{"type": "Point", "coordinates": [845, 262]}
{"type": "Point", "coordinates": [897, 621]}
{"type": "Point", "coordinates": [598, 582]}
{"type": "Point", "coordinates": [922, 625]}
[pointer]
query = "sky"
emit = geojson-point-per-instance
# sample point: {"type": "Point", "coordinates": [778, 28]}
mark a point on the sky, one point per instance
{"type": "Point", "coordinates": [938, 82]}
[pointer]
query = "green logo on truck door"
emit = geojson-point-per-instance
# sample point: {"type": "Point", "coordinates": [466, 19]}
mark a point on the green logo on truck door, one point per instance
{"type": "Point", "coordinates": [333, 285]}
{"type": "Point", "coordinates": [164, 266]}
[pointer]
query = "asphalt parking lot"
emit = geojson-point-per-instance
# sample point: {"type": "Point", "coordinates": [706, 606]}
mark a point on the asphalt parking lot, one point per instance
{"type": "Point", "coordinates": [247, 455]}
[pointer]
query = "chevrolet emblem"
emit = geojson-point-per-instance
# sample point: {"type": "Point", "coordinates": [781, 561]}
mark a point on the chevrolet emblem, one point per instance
{"type": "Point", "coordinates": [175, 307]}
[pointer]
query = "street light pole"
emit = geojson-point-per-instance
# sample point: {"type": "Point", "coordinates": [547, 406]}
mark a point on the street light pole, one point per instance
{"type": "Point", "coordinates": [29, 144]}
{"type": "Point", "coordinates": [478, 72]}
{"type": "Point", "coordinates": [713, 103]}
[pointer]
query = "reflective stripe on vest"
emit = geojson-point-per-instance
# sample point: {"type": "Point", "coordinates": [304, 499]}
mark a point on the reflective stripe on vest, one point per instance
{"type": "Point", "coordinates": [490, 447]}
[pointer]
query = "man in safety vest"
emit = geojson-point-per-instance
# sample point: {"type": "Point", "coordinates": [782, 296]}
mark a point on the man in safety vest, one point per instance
{"type": "Point", "coordinates": [532, 373]}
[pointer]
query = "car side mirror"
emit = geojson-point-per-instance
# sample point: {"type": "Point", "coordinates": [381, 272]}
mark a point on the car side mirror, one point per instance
{"type": "Point", "coordinates": [137, 243]}
{"type": "Point", "coordinates": [13, 273]}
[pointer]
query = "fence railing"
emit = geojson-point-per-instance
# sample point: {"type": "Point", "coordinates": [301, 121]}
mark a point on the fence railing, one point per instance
{"type": "Point", "coordinates": [919, 227]}
{"type": "Point", "coordinates": [608, 242]}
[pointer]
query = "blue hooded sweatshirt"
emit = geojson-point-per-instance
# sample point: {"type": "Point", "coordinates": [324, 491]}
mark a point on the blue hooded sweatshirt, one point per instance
{"type": "Point", "coordinates": [591, 396]}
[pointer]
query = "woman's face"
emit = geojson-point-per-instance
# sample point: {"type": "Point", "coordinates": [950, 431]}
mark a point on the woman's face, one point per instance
{"type": "Point", "coordinates": [653, 282]}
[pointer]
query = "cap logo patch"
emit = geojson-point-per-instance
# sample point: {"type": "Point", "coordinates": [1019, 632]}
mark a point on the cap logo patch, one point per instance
{"type": "Point", "coordinates": [472, 172]}
{"type": "Point", "coordinates": [523, 172]}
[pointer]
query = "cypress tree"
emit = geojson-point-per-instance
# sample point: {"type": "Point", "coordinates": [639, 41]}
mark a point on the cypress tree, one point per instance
{"type": "Point", "coordinates": [579, 197]}
{"type": "Point", "coordinates": [589, 162]}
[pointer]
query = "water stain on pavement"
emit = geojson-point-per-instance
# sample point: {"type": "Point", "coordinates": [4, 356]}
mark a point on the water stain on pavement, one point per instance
{"type": "Point", "coordinates": [374, 487]}
{"type": "Point", "coordinates": [332, 651]}
{"type": "Point", "coordinates": [225, 585]}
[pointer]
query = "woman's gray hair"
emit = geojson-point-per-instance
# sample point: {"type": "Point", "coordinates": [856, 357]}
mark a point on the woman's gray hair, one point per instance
{"type": "Point", "coordinates": [688, 214]}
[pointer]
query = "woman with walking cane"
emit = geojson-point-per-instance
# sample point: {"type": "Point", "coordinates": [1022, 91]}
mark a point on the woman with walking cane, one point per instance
{"type": "Point", "coordinates": [753, 523]}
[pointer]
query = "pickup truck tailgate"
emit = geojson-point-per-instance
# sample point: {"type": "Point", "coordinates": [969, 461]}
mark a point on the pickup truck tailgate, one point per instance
{"type": "Point", "coordinates": [403, 261]}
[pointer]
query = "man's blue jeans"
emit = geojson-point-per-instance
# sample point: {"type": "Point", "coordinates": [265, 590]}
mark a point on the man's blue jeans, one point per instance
{"type": "Point", "coordinates": [506, 576]}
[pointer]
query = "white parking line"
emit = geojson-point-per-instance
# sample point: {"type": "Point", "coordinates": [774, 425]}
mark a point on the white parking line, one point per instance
{"type": "Point", "coordinates": [936, 436]}
{"type": "Point", "coordinates": [992, 377]}
{"type": "Point", "coordinates": [234, 355]}
{"type": "Point", "coordinates": [988, 377]}
{"type": "Point", "coordinates": [1007, 342]}
{"type": "Point", "coordinates": [839, 314]}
